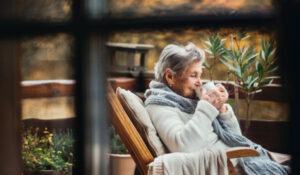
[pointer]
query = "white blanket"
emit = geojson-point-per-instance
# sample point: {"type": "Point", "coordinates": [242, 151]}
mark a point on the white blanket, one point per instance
{"type": "Point", "coordinates": [203, 162]}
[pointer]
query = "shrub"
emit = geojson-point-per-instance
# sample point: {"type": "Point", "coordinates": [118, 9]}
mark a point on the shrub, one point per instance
{"type": "Point", "coordinates": [47, 150]}
{"type": "Point", "coordinates": [116, 144]}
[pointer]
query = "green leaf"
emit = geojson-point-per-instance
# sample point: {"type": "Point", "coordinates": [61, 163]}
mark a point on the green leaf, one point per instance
{"type": "Point", "coordinates": [210, 39]}
{"type": "Point", "coordinates": [229, 52]}
{"type": "Point", "coordinates": [263, 44]}
{"type": "Point", "coordinates": [228, 59]}
{"type": "Point", "coordinates": [216, 35]}
{"type": "Point", "coordinates": [207, 48]}
{"type": "Point", "coordinates": [249, 79]}
{"type": "Point", "coordinates": [260, 69]}
{"type": "Point", "coordinates": [219, 48]}
{"type": "Point", "coordinates": [239, 70]}
{"type": "Point", "coordinates": [208, 43]}
{"type": "Point", "coordinates": [228, 65]}
{"type": "Point", "coordinates": [246, 37]}
{"type": "Point", "coordinates": [223, 40]}
{"type": "Point", "coordinates": [249, 63]}
{"type": "Point", "coordinates": [234, 84]}
{"type": "Point", "coordinates": [271, 77]}
{"type": "Point", "coordinates": [272, 68]}
{"type": "Point", "coordinates": [244, 51]}
{"type": "Point", "coordinates": [231, 45]}
{"type": "Point", "coordinates": [253, 57]}
{"type": "Point", "coordinates": [206, 66]}
{"type": "Point", "coordinates": [235, 55]}
{"type": "Point", "coordinates": [217, 42]}
{"type": "Point", "coordinates": [263, 55]}
{"type": "Point", "coordinates": [249, 54]}
{"type": "Point", "coordinates": [272, 52]}
{"type": "Point", "coordinates": [236, 75]}
{"type": "Point", "coordinates": [271, 81]}
{"type": "Point", "coordinates": [250, 85]}
{"type": "Point", "coordinates": [257, 91]}
{"type": "Point", "coordinates": [208, 51]}
{"type": "Point", "coordinates": [263, 83]}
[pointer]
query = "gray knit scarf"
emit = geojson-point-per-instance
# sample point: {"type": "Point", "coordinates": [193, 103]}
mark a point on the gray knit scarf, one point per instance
{"type": "Point", "coordinates": [160, 94]}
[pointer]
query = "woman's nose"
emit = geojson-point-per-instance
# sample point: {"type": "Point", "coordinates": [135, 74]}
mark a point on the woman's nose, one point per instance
{"type": "Point", "coordinates": [198, 82]}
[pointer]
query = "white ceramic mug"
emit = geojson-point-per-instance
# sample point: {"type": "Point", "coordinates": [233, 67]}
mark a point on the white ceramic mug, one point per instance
{"type": "Point", "coordinates": [207, 86]}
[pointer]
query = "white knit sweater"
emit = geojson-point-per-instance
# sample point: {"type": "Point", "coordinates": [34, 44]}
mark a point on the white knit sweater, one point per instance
{"type": "Point", "coordinates": [183, 132]}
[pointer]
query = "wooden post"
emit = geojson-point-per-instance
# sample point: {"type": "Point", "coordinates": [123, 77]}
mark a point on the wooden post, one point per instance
{"type": "Point", "coordinates": [10, 147]}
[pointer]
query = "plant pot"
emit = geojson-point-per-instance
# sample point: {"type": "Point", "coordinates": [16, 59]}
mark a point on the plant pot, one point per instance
{"type": "Point", "coordinates": [47, 172]}
{"type": "Point", "coordinates": [121, 164]}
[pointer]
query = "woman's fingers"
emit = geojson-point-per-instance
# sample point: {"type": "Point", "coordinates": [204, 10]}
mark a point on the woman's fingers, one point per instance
{"type": "Point", "coordinates": [202, 92]}
{"type": "Point", "coordinates": [216, 96]}
{"type": "Point", "coordinates": [221, 88]}
{"type": "Point", "coordinates": [223, 91]}
{"type": "Point", "coordinates": [215, 92]}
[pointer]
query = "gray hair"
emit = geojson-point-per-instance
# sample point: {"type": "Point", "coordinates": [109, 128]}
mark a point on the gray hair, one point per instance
{"type": "Point", "coordinates": [176, 58]}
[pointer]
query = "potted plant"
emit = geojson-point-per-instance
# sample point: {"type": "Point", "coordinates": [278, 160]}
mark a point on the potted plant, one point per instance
{"type": "Point", "coordinates": [249, 73]}
{"type": "Point", "coordinates": [47, 153]}
{"type": "Point", "coordinates": [120, 162]}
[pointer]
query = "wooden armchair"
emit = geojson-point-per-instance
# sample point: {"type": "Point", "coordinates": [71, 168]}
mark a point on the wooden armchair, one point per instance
{"type": "Point", "coordinates": [141, 154]}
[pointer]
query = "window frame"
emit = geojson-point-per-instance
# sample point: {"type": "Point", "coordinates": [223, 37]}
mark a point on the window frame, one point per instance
{"type": "Point", "coordinates": [90, 32]}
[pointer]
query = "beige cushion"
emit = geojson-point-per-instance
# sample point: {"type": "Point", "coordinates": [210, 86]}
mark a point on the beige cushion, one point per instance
{"type": "Point", "coordinates": [134, 107]}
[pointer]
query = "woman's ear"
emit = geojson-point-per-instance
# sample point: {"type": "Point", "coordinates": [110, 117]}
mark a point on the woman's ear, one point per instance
{"type": "Point", "coordinates": [170, 77]}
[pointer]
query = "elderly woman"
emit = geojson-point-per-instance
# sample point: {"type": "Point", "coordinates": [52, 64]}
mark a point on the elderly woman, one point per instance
{"type": "Point", "coordinates": [187, 124]}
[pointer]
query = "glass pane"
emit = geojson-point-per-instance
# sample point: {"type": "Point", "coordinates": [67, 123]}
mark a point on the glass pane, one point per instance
{"type": "Point", "coordinates": [48, 57]}
{"type": "Point", "coordinates": [160, 38]}
{"type": "Point", "coordinates": [138, 8]}
{"type": "Point", "coordinates": [263, 110]}
{"type": "Point", "coordinates": [48, 109]}
{"type": "Point", "coordinates": [46, 10]}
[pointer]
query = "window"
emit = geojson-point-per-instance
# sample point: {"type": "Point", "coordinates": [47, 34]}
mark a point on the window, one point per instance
{"type": "Point", "coordinates": [88, 24]}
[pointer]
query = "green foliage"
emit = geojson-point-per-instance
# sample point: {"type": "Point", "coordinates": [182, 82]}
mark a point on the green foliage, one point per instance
{"type": "Point", "coordinates": [241, 61]}
{"type": "Point", "coordinates": [116, 144]}
{"type": "Point", "coordinates": [250, 74]}
{"type": "Point", "coordinates": [47, 151]}
{"type": "Point", "coordinates": [215, 47]}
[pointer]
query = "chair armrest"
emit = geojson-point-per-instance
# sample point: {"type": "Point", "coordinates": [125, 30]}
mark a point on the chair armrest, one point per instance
{"type": "Point", "coordinates": [237, 152]}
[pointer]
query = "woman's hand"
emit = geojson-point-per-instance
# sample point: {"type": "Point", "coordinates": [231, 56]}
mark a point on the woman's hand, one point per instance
{"type": "Point", "coordinates": [223, 91]}
{"type": "Point", "coordinates": [216, 96]}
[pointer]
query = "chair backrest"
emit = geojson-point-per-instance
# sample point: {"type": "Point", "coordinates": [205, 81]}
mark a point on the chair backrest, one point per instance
{"type": "Point", "coordinates": [128, 133]}
{"type": "Point", "coordinates": [134, 107]}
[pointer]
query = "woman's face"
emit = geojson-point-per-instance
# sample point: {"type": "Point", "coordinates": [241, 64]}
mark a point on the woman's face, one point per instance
{"type": "Point", "coordinates": [186, 83]}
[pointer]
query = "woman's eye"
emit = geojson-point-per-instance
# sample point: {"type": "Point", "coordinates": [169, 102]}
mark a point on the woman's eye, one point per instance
{"type": "Point", "coordinates": [193, 75]}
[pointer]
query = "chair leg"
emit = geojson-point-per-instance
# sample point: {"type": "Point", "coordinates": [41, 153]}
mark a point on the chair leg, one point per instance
{"type": "Point", "coordinates": [231, 170]}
